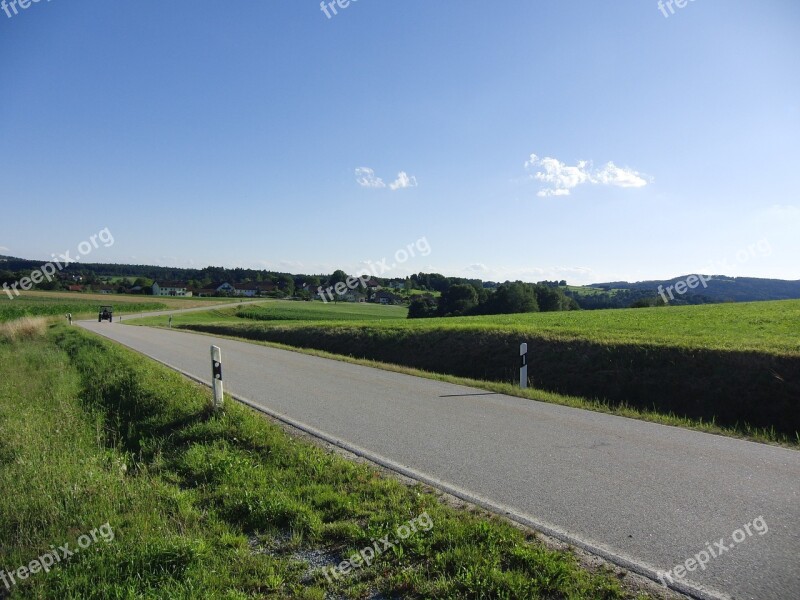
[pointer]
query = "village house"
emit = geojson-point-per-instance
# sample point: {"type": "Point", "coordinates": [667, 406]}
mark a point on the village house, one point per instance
{"type": "Point", "coordinates": [171, 288]}
{"type": "Point", "coordinates": [226, 288]}
{"type": "Point", "coordinates": [385, 297]}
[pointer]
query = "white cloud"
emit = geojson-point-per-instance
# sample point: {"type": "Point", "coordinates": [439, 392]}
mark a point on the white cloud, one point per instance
{"type": "Point", "coordinates": [403, 181]}
{"type": "Point", "coordinates": [611, 174]}
{"type": "Point", "coordinates": [4, 249]}
{"type": "Point", "coordinates": [365, 177]}
{"type": "Point", "coordinates": [477, 268]}
{"type": "Point", "coordinates": [561, 178]}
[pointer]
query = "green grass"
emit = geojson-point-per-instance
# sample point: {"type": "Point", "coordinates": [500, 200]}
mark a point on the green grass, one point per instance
{"type": "Point", "coordinates": [319, 311]}
{"type": "Point", "coordinates": [760, 326]}
{"type": "Point", "coordinates": [287, 311]}
{"type": "Point", "coordinates": [58, 304]}
{"type": "Point", "coordinates": [42, 306]}
{"type": "Point", "coordinates": [769, 327]}
{"type": "Point", "coordinates": [224, 505]}
{"type": "Point", "coordinates": [413, 293]}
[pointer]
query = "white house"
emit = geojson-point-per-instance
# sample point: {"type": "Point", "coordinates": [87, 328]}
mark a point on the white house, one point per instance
{"type": "Point", "coordinates": [250, 290]}
{"type": "Point", "coordinates": [171, 288]}
{"type": "Point", "coordinates": [353, 296]}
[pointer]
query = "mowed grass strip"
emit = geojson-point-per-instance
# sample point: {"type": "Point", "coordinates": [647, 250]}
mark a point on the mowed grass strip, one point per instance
{"type": "Point", "coordinates": [225, 505]}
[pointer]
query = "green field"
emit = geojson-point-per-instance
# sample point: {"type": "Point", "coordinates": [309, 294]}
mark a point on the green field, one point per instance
{"type": "Point", "coordinates": [58, 304]}
{"type": "Point", "coordinates": [287, 311]}
{"type": "Point", "coordinates": [319, 311]}
{"type": "Point", "coordinates": [35, 306]}
{"type": "Point", "coordinates": [769, 327]}
{"type": "Point", "coordinates": [225, 505]}
{"type": "Point", "coordinates": [735, 365]}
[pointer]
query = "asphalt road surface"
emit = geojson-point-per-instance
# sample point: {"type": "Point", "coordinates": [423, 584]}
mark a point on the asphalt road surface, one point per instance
{"type": "Point", "coordinates": [647, 496]}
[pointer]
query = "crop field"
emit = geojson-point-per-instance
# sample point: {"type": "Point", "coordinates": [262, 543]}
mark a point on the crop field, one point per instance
{"type": "Point", "coordinates": [319, 311]}
{"type": "Point", "coordinates": [281, 312]}
{"type": "Point", "coordinates": [770, 327]}
{"type": "Point", "coordinates": [35, 306]}
{"type": "Point", "coordinates": [734, 365]}
{"type": "Point", "coordinates": [58, 304]}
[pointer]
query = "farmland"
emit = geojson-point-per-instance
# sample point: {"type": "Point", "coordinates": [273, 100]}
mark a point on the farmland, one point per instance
{"type": "Point", "coordinates": [281, 312]}
{"type": "Point", "coordinates": [736, 365]}
{"type": "Point", "coordinates": [769, 327]}
{"type": "Point", "coordinates": [57, 304]}
{"type": "Point", "coordinates": [318, 311]}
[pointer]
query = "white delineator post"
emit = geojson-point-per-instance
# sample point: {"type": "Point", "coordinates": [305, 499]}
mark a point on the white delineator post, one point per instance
{"type": "Point", "coordinates": [216, 374]}
{"type": "Point", "coordinates": [523, 366]}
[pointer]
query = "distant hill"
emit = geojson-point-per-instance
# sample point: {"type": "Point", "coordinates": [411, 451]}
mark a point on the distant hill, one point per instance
{"type": "Point", "coordinates": [720, 288]}
{"type": "Point", "coordinates": [614, 294]}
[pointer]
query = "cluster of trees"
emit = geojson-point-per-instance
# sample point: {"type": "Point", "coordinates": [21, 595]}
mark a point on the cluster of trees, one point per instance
{"type": "Point", "coordinates": [464, 299]}
{"type": "Point", "coordinates": [633, 298]}
{"type": "Point", "coordinates": [127, 277]}
{"type": "Point", "coordinates": [435, 282]}
{"type": "Point", "coordinates": [9, 277]}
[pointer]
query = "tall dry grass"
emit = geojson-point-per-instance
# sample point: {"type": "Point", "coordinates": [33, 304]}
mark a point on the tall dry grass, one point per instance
{"type": "Point", "coordinates": [25, 328]}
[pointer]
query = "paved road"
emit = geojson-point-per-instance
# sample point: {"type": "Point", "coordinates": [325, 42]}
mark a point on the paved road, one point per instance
{"type": "Point", "coordinates": [647, 495]}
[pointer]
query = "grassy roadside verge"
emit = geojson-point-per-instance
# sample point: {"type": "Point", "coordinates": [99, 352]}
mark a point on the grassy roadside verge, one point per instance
{"type": "Point", "coordinates": [222, 506]}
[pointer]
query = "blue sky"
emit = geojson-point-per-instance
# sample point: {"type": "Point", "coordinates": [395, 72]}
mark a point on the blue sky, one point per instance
{"type": "Point", "coordinates": [579, 140]}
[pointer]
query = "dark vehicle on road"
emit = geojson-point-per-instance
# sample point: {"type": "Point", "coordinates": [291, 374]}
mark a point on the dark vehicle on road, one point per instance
{"type": "Point", "coordinates": [106, 313]}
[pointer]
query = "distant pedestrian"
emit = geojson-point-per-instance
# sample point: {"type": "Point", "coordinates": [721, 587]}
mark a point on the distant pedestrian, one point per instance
{"type": "Point", "coordinates": [170, 321]}
{"type": "Point", "coordinates": [69, 317]}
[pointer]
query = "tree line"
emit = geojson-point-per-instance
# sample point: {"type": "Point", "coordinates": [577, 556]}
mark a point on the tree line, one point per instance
{"type": "Point", "coordinates": [463, 299]}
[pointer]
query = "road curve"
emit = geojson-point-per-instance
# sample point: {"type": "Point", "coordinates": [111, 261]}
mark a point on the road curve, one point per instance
{"type": "Point", "coordinates": [647, 496]}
